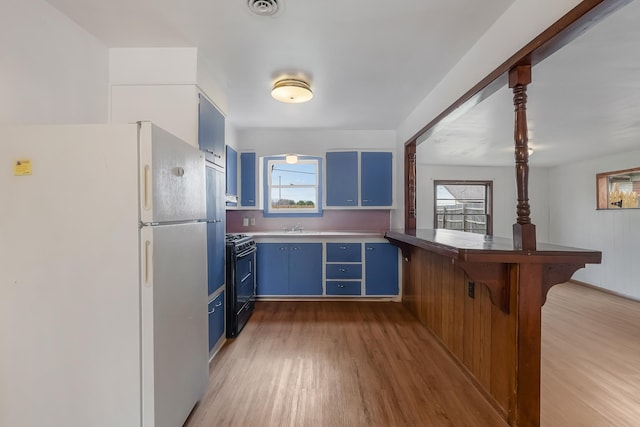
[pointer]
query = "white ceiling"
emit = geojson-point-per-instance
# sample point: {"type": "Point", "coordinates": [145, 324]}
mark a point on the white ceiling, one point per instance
{"type": "Point", "coordinates": [370, 62]}
{"type": "Point", "coordinates": [583, 102]}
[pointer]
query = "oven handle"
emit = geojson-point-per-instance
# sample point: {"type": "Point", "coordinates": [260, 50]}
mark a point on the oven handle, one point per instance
{"type": "Point", "coordinates": [247, 252]}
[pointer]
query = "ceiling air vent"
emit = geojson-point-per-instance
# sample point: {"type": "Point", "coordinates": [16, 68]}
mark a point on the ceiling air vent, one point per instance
{"type": "Point", "coordinates": [263, 7]}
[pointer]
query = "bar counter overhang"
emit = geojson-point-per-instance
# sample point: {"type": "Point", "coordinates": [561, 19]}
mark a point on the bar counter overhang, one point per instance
{"type": "Point", "coordinates": [493, 330]}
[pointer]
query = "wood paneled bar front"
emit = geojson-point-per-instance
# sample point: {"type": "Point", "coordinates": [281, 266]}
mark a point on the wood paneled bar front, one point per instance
{"type": "Point", "coordinates": [492, 330]}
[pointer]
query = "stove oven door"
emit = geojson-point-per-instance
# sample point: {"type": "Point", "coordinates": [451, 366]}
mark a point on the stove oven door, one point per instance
{"type": "Point", "coordinates": [245, 277]}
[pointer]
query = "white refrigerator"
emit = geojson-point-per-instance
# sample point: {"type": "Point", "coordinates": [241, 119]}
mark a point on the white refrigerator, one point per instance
{"type": "Point", "coordinates": [103, 276]}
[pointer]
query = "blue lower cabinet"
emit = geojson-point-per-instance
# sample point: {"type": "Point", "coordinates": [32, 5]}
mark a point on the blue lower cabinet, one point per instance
{"type": "Point", "coordinates": [216, 320]}
{"type": "Point", "coordinates": [381, 269]}
{"type": "Point", "coordinates": [272, 269]}
{"type": "Point", "coordinates": [305, 269]}
{"type": "Point", "coordinates": [343, 288]}
{"type": "Point", "coordinates": [289, 269]}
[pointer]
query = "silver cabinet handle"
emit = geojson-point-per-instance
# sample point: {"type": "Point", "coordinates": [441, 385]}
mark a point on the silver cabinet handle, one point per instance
{"type": "Point", "coordinates": [344, 248]}
{"type": "Point", "coordinates": [209, 151]}
{"type": "Point", "coordinates": [340, 285]}
{"type": "Point", "coordinates": [295, 248]}
{"type": "Point", "coordinates": [219, 304]}
{"type": "Point", "coordinates": [343, 270]}
{"type": "Point", "coordinates": [283, 248]}
{"type": "Point", "coordinates": [212, 311]}
{"type": "Point", "coordinates": [350, 200]}
{"type": "Point", "coordinates": [369, 248]}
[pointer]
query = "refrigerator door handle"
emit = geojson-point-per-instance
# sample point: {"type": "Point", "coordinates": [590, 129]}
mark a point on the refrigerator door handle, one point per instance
{"type": "Point", "coordinates": [147, 187]}
{"type": "Point", "coordinates": [148, 263]}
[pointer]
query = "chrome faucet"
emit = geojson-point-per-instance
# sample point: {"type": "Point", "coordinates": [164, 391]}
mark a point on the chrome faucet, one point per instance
{"type": "Point", "coordinates": [295, 229]}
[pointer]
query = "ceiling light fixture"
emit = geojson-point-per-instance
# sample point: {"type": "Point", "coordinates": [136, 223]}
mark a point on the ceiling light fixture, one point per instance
{"type": "Point", "coordinates": [291, 91]}
{"type": "Point", "coordinates": [291, 159]}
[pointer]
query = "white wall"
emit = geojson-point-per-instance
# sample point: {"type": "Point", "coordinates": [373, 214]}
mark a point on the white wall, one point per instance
{"type": "Point", "coordinates": [576, 222]}
{"type": "Point", "coordinates": [520, 24]}
{"type": "Point", "coordinates": [51, 70]}
{"type": "Point", "coordinates": [504, 195]}
{"type": "Point", "coordinates": [160, 85]}
{"type": "Point", "coordinates": [313, 142]}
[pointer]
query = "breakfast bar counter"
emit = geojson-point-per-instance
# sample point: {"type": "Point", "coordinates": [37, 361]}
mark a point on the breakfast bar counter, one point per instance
{"type": "Point", "coordinates": [482, 299]}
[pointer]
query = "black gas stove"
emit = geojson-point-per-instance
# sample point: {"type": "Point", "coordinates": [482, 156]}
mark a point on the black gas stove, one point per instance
{"type": "Point", "coordinates": [241, 281]}
{"type": "Point", "coordinates": [239, 243]}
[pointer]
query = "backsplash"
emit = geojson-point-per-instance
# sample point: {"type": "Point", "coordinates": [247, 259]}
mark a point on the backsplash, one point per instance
{"type": "Point", "coordinates": [331, 220]}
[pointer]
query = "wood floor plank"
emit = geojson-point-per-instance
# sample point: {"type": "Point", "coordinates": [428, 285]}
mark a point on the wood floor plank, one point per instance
{"type": "Point", "coordinates": [590, 359]}
{"type": "Point", "coordinates": [338, 364]}
{"type": "Point", "coordinates": [373, 364]}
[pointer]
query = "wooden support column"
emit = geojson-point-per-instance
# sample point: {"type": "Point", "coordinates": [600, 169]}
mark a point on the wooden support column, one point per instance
{"type": "Point", "coordinates": [524, 232]}
{"type": "Point", "coordinates": [410, 186]}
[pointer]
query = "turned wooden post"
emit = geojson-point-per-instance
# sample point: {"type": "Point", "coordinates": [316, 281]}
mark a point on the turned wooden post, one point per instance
{"type": "Point", "coordinates": [524, 232]}
{"type": "Point", "coordinates": [410, 186]}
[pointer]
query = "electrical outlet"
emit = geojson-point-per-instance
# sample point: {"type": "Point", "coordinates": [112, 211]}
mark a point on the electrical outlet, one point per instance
{"type": "Point", "coordinates": [471, 289]}
{"type": "Point", "coordinates": [245, 222]}
{"type": "Point", "coordinates": [252, 221]}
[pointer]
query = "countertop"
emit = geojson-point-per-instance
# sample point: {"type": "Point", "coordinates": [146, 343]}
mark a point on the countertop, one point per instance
{"type": "Point", "coordinates": [315, 234]}
{"type": "Point", "coordinates": [466, 246]}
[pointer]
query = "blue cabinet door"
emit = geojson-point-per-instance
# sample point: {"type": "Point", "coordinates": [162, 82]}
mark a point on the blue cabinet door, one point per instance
{"type": "Point", "coordinates": [232, 171]}
{"type": "Point", "coordinates": [381, 260]}
{"type": "Point", "coordinates": [376, 178]}
{"type": "Point", "coordinates": [305, 269]}
{"type": "Point", "coordinates": [215, 229]}
{"type": "Point", "coordinates": [210, 131]}
{"type": "Point", "coordinates": [272, 268]}
{"type": "Point", "coordinates": [342, 178]}
{"type": "Point", "coordinates": [248, 168]}
{"type": "Point", "coordinates": [216, 320]}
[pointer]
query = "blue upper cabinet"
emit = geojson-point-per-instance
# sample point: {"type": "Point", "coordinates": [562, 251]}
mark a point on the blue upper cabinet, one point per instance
{"type": "Point", "coordinates": [376, 179]}
{"type": "Point", "coordinates": [342, 178]}
{"type": "Point", "coordinates": [248, 168]}
{"type": "Point", "coordinates": [232, 174]}
{"type": "Point", "coordinates": [210, 131]}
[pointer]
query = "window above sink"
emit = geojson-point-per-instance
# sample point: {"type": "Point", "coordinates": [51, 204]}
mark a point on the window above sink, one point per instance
{"type": "Point", "coordinates": [293, 189]}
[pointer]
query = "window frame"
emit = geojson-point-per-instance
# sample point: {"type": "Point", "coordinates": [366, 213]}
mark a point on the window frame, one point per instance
{"type": "Point", "coordinates": [269, 211]}
{"type": "Point", "coordinates": [603, 191]}
{"type": "Point", "coordinates": [488, 184]}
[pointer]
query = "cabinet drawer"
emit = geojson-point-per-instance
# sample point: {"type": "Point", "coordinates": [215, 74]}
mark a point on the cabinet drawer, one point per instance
{"type": "Point", "coordinates": [343, 288]}
{"type": "Point", "coordinates": [344, 252]}
{"type": "Point", "coordinates": [216, 319]}
{"type": "Point", "coordinates": [344, 271]}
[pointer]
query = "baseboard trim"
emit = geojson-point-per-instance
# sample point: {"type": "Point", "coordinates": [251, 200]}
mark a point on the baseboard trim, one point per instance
{"type": "Point", "coordinates": [605, 290]}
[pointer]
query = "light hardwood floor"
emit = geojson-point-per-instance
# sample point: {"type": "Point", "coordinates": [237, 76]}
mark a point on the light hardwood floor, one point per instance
{"type": "Point", "coordinates": [372, 364]}
{"type": "Point", "coordinates": [338, 364]}
{"type": "Point", "coordinates": [590, 359]}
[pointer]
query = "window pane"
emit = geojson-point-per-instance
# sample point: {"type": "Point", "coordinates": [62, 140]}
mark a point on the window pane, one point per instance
{"type": "Point", "coordinates": [462, 207]}
{"type": "Point", "coordinates": [298, 174]}
{"type": "Point", "coordinates": [300, 198]}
